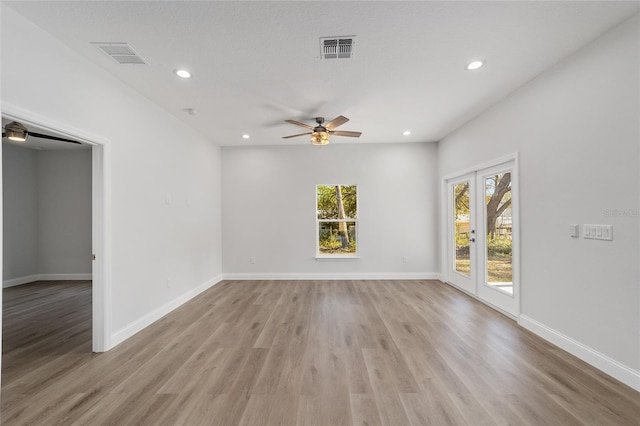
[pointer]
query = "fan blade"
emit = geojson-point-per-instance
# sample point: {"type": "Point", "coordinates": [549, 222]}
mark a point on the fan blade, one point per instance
{"type": "Point", "coordinates": [346, 133]}
{"type": "Point", "coordinates": [338, 121]}
{"type": "Point", "coordinates": [53, 138]}
{"type": "Point", "coordinates": [297, 123]}
{"type": "Point", "coordinates": [295, 136]}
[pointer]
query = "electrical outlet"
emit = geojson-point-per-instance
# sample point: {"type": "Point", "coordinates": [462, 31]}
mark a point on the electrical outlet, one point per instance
{"type": "Point", "coordinates": [168, 283]}
{"type": "Point", "coordinates": [405, 259]}
{"type": "Point", "coordinates": [252, 260]}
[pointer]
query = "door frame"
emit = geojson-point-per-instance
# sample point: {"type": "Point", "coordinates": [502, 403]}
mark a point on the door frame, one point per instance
{"type": "Point", "coordinates": [100, 217]}
{"type": "Point", "coordinates": [445, 228]}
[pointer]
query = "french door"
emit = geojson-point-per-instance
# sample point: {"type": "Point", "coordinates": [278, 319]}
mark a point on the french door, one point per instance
{"type": "Point", "coordinates": [482, 235]}
{"type": "Point", "coordinates": [462, 232]}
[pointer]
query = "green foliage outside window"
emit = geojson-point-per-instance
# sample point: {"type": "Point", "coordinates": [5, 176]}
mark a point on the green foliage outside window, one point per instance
{"type": "Point", "coordinates": [337, 211]}
{"type": "Point", "coordinates": [328, 201]}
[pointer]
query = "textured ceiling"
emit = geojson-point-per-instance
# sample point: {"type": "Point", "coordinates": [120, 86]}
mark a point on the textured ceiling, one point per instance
{"type": "Point", "coordinates": [255, 64]}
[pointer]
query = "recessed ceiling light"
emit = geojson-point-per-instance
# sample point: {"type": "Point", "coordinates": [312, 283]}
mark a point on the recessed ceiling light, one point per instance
{"type": "Point", "coordinates": [406, 132]}
{"type": "Point", "coordinates": [475, 65]}
{"type": "Point", "coordinates": [245, 136]}
{"type": "Point", "coordinates": [183, 73]}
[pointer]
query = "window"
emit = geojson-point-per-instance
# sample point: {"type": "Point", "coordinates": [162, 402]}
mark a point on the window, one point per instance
{"type": "Point", "coordinates": [336, 220]}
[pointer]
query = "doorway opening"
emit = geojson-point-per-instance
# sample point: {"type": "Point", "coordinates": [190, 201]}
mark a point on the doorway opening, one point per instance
{"type": "Point", "coordinates": [99, 253]}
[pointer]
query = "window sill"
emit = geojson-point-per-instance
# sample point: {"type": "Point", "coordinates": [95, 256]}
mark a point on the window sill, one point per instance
{"type": "Point", "coordinates": [329, 257]}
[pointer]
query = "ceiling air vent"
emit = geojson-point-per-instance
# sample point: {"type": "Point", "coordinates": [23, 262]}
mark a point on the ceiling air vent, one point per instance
{"type": "Point", "coordinates": [122, 53]}
{"type": "Point", "coordinates": [337, 47]}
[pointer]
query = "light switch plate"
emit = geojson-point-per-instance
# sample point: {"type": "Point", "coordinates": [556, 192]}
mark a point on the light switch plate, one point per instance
{"type": "Point", "coordinates": [598, 232]}
{"type": "Point", "coordinates": [574, 230]}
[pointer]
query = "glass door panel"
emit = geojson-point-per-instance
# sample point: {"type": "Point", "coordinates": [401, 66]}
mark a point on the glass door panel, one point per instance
{"type": "Point", "coordinates": [461, 247]}
{"type": "Point", "coordinates": [462, 228]}
{"type": "Point", "coordinates": [499, 227]}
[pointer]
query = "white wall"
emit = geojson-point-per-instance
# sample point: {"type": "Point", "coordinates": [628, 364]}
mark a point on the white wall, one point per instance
{"type": "Point", "coordinates": [269, 209]}
{"type": "Point", "coordinates": [64, 212]}
{"type": "Point", "coordinates": [20, 218]}
{"type": "Point", "coordinates": [577, 130]}
{"type": "Point", "coordinates": [153, 156]}
{"type": "Point", "coordinates": [47, 220]}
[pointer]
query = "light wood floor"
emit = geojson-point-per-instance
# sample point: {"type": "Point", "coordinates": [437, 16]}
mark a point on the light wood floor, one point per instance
{"type": "Point", "coordinates": [297, 353]}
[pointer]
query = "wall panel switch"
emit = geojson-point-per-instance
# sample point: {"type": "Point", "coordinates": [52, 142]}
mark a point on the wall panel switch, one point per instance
{"type": "Point", "coordinates": [598, 232]}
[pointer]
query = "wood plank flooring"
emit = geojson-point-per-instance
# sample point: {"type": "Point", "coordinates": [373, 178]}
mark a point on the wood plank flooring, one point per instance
{"type": "Point", "coordinates": [297, 353]}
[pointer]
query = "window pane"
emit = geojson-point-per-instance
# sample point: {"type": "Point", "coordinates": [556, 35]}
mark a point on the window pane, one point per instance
{"type": "Point", "coordinates": [498, 204]}
{"type": "Point", "coordinates": [337, 201]}
{"type": "Point", "coordinates": [461, 221]}
{"type": "Point", "coordinates": [337, 238]}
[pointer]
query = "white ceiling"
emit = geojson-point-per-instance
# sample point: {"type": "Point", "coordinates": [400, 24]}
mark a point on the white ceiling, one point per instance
{"type": "Point", "coordinates": [255, 64]}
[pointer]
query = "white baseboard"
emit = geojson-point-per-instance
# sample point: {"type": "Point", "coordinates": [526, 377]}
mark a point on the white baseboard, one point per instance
{"type": "Point", "coordinates": [337, 276]}
{"type": "Point", "coordinates": [44, 277]}
{"type": "Point", "coordinates": [20, 280]}
{"type": "Point", "coordinates": [64, 277]}
{"type": "Point", "coordinates": [615, 369]}
{"type": "Point", "coordinates": [129, 330]}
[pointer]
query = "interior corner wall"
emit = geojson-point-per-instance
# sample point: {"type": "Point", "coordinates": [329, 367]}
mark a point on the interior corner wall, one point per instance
{"type": "Point", "coordinates": [20, 219]}
{"type": "Point", "coordinates": [47, 214]}
{"type": "Point", "coordinates": [64, 212]}
{"type": "Point", "coordinates": [269, 211]}
{"type": "Point", "coordinates": [576, 128]}
{"type": "Point", "coordinates": [165, 217]}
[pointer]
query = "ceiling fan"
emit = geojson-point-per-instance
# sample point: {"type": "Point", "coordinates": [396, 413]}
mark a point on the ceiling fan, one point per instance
{"type": "Point", "coordinates": [17, 132]}
{"type": "Point", "coordinates": [320, 133]}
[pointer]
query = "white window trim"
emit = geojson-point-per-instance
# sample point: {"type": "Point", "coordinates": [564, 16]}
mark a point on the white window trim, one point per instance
{"type": "Point", "coordinates": [334, 257]}
{"type": "Point", "coordinates": [319, 256]}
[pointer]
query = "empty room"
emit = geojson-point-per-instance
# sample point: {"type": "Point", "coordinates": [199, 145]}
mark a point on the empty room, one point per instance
{"type": "Point", "coordinates": [320, 213]}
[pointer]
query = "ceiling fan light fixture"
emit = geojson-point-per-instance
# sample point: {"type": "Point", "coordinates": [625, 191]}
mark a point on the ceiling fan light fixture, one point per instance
{"type": "Point", "coordinates": [16, 132]}
{"type": "Point", "coordinates": [320, 138]}
{"type": "Point", "coordinates": [321, 134]}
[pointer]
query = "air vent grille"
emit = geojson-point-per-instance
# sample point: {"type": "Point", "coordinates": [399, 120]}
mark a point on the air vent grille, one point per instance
{"type": "Point", "coordinates": [120, 52]}
{"type": "Point", "coordinates": [337, 47]}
